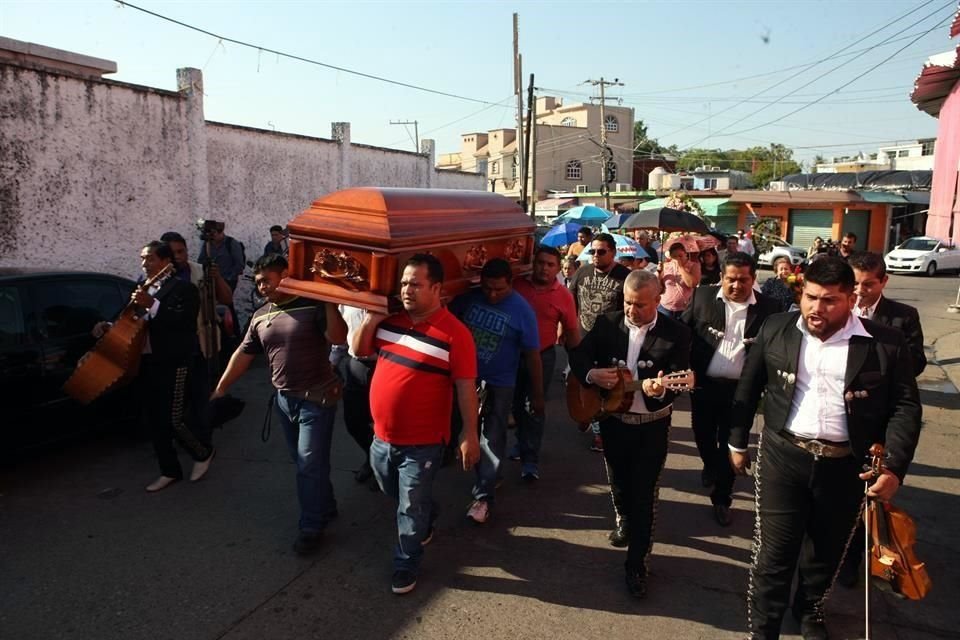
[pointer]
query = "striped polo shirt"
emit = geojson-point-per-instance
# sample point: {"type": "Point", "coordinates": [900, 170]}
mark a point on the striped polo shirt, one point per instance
{"type": "Point", "coordinates": [411, 395]}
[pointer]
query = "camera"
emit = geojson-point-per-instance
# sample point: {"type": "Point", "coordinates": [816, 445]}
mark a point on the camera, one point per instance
{"type": "Point", "coordinates": [208, 227]}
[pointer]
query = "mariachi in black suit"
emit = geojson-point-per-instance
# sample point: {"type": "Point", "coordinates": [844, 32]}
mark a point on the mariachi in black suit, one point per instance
{"type": "Point", "coordinates": [162, 380]}
{"type": "Point", "coordinates": [635, 453]}
{"type": "Point", "coordinates": [712, 403]}
{"type": "Point", "coordinates": [807, 505]}
{"type": "Point", "coordinates": [907, 320]}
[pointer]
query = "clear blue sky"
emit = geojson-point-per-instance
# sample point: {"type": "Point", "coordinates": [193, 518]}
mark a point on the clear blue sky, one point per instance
{"type": "Point", "coordinates": [659, 50]}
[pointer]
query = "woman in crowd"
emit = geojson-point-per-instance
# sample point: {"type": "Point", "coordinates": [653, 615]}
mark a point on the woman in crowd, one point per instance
{"type": "Point", "coordinates": [709, 267]}
{"type": "Point", "coordinates": [777, 287]}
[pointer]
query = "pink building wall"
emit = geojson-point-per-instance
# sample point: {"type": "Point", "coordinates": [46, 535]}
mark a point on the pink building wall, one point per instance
{"type": "Point", "coordinates": [944, 203]}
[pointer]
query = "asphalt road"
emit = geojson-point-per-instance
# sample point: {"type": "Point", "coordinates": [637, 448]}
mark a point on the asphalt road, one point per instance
{"type": "Point", "coordinates": [85, 553]}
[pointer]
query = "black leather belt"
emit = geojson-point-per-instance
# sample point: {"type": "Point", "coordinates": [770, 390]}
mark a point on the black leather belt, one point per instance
{"type": "Point", "coordinates": [643, 418]}
{"type": "Point", "coordinates": [820, 448]}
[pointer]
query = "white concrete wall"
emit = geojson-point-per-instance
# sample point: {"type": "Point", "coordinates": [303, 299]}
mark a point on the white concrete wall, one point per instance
{"type": "Point", "coordinates": [92, 169]}
{"type": "Point", "coordinates": [88, 169]}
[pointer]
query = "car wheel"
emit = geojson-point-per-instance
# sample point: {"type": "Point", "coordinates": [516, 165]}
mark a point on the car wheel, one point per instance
{"type": "Point", "coordinates": [932, 269]}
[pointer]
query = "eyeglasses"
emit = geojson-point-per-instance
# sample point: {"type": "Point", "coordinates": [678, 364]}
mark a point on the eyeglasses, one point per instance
{"type": "Point", "coordinates": [597, 252]}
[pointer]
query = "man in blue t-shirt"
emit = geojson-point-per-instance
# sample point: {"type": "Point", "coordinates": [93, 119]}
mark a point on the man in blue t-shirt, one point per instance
{"type": "Point", "coordinates": [504, 328]}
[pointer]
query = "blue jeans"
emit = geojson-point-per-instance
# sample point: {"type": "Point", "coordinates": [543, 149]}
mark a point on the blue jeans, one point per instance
{"type": "Point", "coordinates": [405, 473]}
{"type": "Point", "coordinates": [493, 440]}
{"type": "Point", "coordinates": [308, 428]}
{"type": "Point", "coordinates": [530, 427]}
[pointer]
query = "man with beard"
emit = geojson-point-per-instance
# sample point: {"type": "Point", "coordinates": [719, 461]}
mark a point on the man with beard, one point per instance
{"type": "Point", "coordinates": [295, 334]}
{"type": "Point", "coordinates": [725, 319]}
{"type": "Point", "coordinates": [835, 385]}
{"type": "Point", "coordinates": [553, 306]}
{"type": "Point", "coordinates": [424, 353]}
{"type": "Point", "coordinates": [847, 246]}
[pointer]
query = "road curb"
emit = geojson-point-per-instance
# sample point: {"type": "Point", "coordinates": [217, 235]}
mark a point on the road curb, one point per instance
{"type": "Point", "coordinates": [946, 353]}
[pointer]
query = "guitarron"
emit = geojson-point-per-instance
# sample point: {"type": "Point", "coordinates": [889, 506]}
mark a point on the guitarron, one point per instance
{"type": "Point", "coordinates": [115, 359]}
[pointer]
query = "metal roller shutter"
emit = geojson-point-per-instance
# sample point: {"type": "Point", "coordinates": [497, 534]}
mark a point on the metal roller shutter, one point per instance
{"type": "Point", "coordinates": [807, 224]}
{"type": "Point", "coordinates": [726, 224]}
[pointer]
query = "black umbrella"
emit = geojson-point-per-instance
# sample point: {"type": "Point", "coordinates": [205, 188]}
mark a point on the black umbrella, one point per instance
{"type": "Point", "coordinates": [666, 219]}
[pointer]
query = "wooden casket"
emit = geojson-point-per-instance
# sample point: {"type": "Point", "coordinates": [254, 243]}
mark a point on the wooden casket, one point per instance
{"type": "Point", "coordinates": [350, 246]}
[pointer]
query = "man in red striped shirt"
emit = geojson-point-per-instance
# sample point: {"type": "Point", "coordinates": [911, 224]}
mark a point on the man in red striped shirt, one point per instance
{"type": "Point", "coordinates": [424, 353]}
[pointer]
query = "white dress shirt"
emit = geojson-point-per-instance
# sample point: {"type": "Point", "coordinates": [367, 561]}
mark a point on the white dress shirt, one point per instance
{"type": "Point", "coordinates": [818, 409]}
{"type": "Point", "coordinates": [634, 344]}
{"type": "Point", "coordinates": [727, 360]}
{"type": "Point", "coordinates": [745, 244]}
{"type": "Point", "coordinates": [866, 312]}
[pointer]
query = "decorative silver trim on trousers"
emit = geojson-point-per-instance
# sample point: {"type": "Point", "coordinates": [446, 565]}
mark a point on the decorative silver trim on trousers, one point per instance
{"type": "Point", "coordinates": [656, 507]}
{"type": "Point", "coordinates": [186, 437]}
{"type": "Point", "coordinates": [757, 535]}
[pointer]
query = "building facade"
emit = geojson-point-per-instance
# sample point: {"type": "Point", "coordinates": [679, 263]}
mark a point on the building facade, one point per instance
{"type": "Point", "coordinates": [912, 156]}
{"type": "Point", "coordinates": [567, 152]}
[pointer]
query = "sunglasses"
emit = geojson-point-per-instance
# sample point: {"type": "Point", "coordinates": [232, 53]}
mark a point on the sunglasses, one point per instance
{"type": "Point", "coordinates": [597, 252]}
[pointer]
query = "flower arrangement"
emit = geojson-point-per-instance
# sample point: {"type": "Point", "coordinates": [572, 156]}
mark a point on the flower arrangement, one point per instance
{"type": "Point", "coordinates": [795, 284]}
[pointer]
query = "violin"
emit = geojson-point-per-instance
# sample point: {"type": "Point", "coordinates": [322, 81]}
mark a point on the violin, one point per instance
{"type": "Point", "coordinates": [893, 563]}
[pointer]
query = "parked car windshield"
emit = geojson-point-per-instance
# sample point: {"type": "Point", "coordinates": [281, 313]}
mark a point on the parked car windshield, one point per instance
{"type": "Point", "coordinates": [920, 244]}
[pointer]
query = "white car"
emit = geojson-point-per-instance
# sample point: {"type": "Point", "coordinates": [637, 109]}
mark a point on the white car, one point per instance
{"type": "Point", "coordinates": [780, 248]}
{"type": "Point", "coordinates": [923, 255]}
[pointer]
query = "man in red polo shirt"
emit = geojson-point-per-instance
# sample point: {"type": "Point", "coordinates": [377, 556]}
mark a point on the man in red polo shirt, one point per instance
{"type": "Point", "coordinates": [553, 305]}
{"type": "Point", "coordinates": [424, 352]}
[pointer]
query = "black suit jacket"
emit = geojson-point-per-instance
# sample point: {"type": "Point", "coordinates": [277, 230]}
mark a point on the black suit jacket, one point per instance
{"type": "Point", "coordinates": [706, 312]}
{"type": "Point", "coordinates": [667, 345]}
{"type": "Point", "coordinates": [880, 365]}
{"type": "Point", "coordinates": [905, 318]}
{"type": "Point", "coordinates": [173, 331]}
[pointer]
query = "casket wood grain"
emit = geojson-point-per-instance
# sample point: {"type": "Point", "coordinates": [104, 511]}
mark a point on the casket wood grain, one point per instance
{"type": "Point", "coordinates": [350, 246]}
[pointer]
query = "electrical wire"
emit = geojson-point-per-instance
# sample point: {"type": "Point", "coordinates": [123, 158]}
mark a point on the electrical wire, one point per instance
{"type": "Point", "coordinates": [291, 56]}
{"type": "Point", "coordinates": [826, 73]}
{"type": "Point", "coordinates": [846, 84]}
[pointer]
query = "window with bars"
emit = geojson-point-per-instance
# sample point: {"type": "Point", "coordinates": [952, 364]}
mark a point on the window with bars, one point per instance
{"type": "Point", "coordinates": [574, 170]}
{"type": "Point", "coordinates": [611, 123]}
{"type": "Point", "coordinates": [926, 148]}
{"type": "Point", "coordinates": [568, 122]}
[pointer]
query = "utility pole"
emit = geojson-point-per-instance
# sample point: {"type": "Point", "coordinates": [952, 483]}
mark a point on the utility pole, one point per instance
{"type": "Point", "coordinates": [416, 132]}
{"type": "Point", "coordinates": [518, 90]}
{"type": "Point", "coordinates": [524, 171]}
{"type": "Point", "coordinates": [606, 151]}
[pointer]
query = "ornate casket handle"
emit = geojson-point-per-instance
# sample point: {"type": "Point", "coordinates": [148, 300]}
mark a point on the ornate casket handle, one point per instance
{"type": "Point", "coordinates": [338, 266]}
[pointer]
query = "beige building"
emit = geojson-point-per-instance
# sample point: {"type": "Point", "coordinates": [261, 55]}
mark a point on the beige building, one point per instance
{"type": "Point", "coordinates": [568, 154]}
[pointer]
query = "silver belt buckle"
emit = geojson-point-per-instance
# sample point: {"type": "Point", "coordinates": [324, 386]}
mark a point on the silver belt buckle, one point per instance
{"type": "Point", "coordinates": [815, 447]}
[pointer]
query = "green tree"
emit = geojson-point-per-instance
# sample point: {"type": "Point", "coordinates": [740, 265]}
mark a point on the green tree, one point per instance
{"type": "Point", "coordinates": [644, 146]}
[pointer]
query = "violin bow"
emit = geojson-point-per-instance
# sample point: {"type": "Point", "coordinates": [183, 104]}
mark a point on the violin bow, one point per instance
{"type": "Point", "coordinates": [876, 466]}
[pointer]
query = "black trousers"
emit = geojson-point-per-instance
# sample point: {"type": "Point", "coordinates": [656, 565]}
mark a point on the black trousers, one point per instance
{"type": "Point", "coordinates": [635, 455]}
{"type": "Point", "coordinates": [712, 406]}
{"type": "Point", "coordinates": [357, 375]}
{"type": "Point", "coordinates": [807, 510]}
{"type": "Point", "coordinates": [163, 393]}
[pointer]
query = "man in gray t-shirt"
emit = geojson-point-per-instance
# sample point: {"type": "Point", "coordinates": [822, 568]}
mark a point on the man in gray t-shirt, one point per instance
{"type": "Point", "coordinates": [295, 334]}
{"type": "Point", "coordinates": [597, 288]}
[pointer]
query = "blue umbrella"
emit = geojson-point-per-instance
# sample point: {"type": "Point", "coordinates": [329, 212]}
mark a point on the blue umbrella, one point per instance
{"type": "Point", "coordinates": [561, 235]}
{"type": "Point", "coordinates": [617, 219]}
{"type": "Point", "coordinates": [585, 214]}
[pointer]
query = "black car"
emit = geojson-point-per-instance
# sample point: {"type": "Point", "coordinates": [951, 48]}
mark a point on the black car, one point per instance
{"type": "Point", "coordinates": [46, 319]}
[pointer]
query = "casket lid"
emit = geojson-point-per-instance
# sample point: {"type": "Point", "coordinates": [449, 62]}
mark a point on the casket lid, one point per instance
{"type": "Point", "coordinates": [398, 218]}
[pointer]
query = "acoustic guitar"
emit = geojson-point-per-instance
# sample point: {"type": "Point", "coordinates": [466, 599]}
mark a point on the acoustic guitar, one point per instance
{"type": "Point", "coordinates": [592, 403]}
{"type": "Point", "coordinates": [115, 359]}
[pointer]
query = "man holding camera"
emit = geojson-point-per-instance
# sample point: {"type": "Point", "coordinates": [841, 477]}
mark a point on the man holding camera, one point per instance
{"type": "Point", "coordinates": [222, 250]}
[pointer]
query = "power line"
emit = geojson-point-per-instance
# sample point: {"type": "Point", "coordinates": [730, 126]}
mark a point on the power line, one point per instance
{"type": "Point", "coordinates": [846, 84]}
{"type": "Point", "coordinates": [291, 56]}
{"type": "Point", "coordinates": [822, 75]}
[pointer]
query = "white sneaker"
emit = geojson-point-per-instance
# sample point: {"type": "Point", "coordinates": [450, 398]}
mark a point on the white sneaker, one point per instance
{"type": "Point", "coordinates": [479, 511]}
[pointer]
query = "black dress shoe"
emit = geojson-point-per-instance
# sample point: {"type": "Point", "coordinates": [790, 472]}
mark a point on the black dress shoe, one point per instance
{"type": "Point", "coordinates": [812, 626]}
{"type": "Point", "coordinates": [619, 537]}
{"type": "Point", "coordinates": [636, 580]}
{"type": "Point", "coordinates": [722, 515]}
{"type": "Point", "coordinates": [308, 542]}
{"type": "Point", "coordinates": [364, 473]}
{"type": "Point", "coordinates": [813, 629]}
